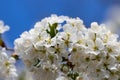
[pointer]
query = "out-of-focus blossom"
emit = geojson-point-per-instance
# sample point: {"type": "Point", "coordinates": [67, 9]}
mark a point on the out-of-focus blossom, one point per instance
{"type": "Point", "coordinates": [24, 75]}
{"type": "Point", "coordinates": [3, 27]}
{"type": "Point", "coordinates": [7, 63]}
{"type": "Point", "coordinates": [62, 78]}
{"type": "Point", "coordinates": [7, 68]}
{"type": "Point", "coordinates": [113, 19]}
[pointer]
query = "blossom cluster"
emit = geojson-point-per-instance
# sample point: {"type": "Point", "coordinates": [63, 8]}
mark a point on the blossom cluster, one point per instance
{"type": "Point", "coordinates": [7, 67]}
{"type": "Point", "coordinates": [62, 48]}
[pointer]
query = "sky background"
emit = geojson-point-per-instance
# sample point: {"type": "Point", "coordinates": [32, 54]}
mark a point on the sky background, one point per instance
{"type": "Point", "coordinates": [21, 15]}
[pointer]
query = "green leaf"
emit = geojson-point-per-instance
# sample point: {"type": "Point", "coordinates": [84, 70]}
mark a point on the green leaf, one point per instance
{"type": "Point", "coordinates": [53, 31]}
{"type": "Point", "coordinates": [37, 63]}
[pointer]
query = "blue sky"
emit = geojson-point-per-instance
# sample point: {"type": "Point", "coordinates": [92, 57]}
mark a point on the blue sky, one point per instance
{"type": "Point", "coordinates": [21, 15]}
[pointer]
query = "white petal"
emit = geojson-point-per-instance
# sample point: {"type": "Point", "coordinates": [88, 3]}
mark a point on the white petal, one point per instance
{"type": "Point", "coordinates": [99, 43]}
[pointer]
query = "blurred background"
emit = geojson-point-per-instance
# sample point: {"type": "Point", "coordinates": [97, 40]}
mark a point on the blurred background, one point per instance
{"type": "Point", "coordinates": [21, 15]}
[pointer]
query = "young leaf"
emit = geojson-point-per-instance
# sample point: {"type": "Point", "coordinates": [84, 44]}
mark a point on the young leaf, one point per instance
{"type": "Point", "coordinates": [53, 31]}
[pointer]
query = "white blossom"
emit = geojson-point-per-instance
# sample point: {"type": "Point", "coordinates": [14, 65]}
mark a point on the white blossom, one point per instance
{"type": "Point", "coordinates": [3, 27]}
{"type": "Point", "coordinates": [7, 67]}
{"type": "Point", "coordinates": [62, 45]}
